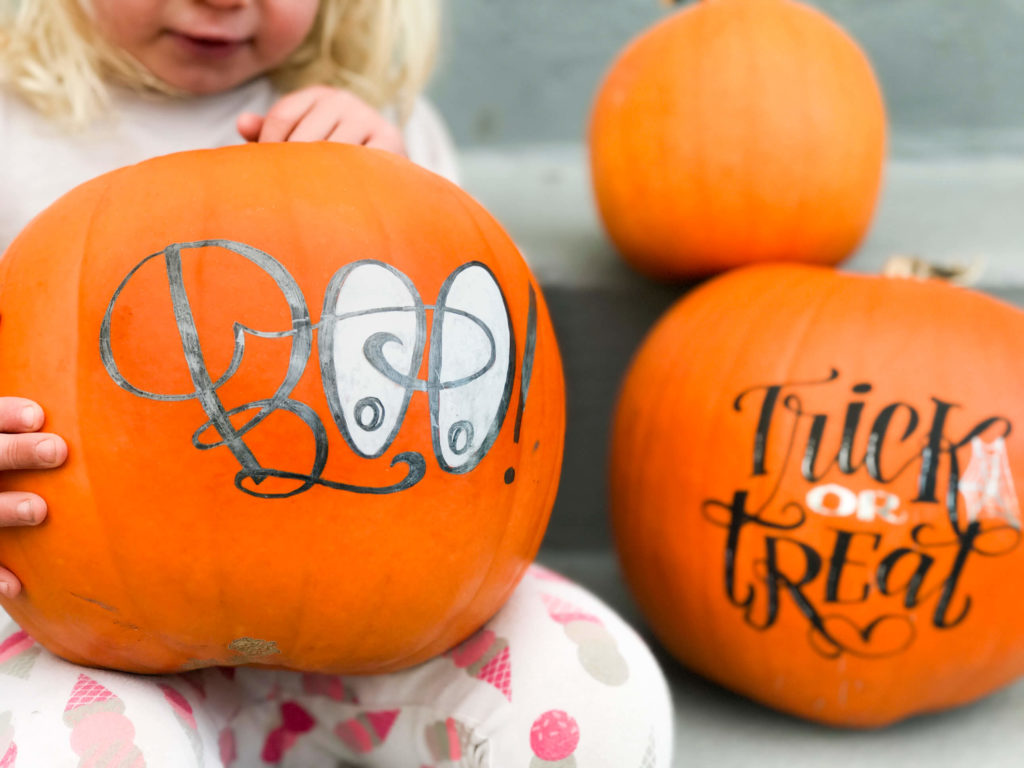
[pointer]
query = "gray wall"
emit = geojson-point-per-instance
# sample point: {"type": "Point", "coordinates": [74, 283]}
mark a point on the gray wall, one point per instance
{"type": "Point", "coordinates": [522, 71]}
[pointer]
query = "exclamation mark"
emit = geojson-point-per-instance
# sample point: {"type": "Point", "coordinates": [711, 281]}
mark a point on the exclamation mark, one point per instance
{"type": "Point", "coordinates": [525, 372]}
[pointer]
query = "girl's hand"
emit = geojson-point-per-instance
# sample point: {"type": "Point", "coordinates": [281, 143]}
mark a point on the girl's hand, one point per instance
{"type": "Point", "coordinates": [22, 446]}
{"type": "Point", "coordinates": [322, 113]}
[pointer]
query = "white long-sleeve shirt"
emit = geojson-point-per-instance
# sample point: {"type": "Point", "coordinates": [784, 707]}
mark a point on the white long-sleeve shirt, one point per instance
{"type": "Point", "coordinates": [40, 161]}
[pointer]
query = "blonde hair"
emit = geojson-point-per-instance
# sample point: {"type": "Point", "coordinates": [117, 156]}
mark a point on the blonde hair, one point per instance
{"type": "Point", "coordinates": [52, 55]}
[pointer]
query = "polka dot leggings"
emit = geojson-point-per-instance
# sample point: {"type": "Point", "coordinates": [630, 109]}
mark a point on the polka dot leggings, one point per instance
{"type": "Point", "coordinates": [555, 680]}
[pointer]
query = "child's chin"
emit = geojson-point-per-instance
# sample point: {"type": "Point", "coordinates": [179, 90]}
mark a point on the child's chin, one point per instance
{"type": "Point", "coordinates": [201, 79]}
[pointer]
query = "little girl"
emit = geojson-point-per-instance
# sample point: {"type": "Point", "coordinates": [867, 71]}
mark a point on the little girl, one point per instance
{"type": "Point", "coordinates": [554, 680]}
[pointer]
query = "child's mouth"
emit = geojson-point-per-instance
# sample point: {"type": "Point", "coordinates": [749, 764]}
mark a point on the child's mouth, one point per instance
{"type": "Point", "coordinates": [208, 47]}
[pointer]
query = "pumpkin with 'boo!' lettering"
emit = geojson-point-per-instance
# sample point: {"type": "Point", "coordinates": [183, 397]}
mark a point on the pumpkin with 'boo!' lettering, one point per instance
{"type": "Point", "coordinates": [813, 490]}
{"type": "Point", "coordinates": [314, 408]}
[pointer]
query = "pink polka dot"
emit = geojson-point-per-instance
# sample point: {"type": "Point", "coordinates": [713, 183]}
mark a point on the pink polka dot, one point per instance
{"type": "Point", "coordinates": [554, 735]}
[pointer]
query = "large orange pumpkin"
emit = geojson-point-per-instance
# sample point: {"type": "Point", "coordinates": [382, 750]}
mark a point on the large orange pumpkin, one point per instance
{"type": "Point", "coordinates": [314, 408]}
{"type": "Point", "coordinates": [812, 483]}
{"type": "Point", "coordinates": [737, 131]}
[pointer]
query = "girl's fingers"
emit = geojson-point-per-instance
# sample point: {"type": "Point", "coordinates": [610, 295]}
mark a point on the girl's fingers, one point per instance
{"type": "Point", "coordinates": [18, 508]}
{"type": "Point", "coordinates": [9, 584]}
{"type": "Point", "coordinates": [282, 118]}
{"type": "Point", "coordinates": [322, 113]}
{"type": "Point", "coordinates": [317, 124]}
{"type": "Point", "coordinates": [19, 415]}
{"type": "Point", "coordinates": [351, 132]}
{"type": "Point", "coordinates": [40, 450]}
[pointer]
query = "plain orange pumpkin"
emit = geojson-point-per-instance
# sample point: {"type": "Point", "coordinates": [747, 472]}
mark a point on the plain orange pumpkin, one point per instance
{"type": "Point", "coordinates": [314, 407]}
{"type": "Point", "coordinates": [813, 490]}
{"type": "Point", "coordinates": [737, 131]}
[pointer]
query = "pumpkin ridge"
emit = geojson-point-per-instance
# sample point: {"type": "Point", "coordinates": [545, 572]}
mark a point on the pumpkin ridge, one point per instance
{"type": "Point", "coordinates": [798, 218]}
{"type": "Point", "coordinates": [125, 605]}
{"type": "Point", "coordinates": [431, 637]}
{"type": "Point", "coordinates": [293, 644]}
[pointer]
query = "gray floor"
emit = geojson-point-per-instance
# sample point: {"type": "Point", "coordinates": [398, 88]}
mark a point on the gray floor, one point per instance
{"type": "Point", "coordinates": [950, 211]}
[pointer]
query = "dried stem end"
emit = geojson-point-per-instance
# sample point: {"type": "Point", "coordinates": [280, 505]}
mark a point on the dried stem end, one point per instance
{"type": "Point", "coordinates": [909, 266]}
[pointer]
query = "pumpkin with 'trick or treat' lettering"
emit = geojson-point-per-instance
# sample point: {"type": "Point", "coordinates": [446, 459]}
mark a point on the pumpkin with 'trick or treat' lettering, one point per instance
{"type": "Point", "coordinates": [814, 490]}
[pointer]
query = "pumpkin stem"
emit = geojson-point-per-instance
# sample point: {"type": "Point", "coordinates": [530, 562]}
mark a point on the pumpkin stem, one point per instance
{"type": "Point", "coordinates": [910, 266]}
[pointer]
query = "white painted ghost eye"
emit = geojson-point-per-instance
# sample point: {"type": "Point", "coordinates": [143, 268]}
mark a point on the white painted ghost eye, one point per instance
{"type": "Point", "coordinates": [371, 340]}
{"type": "Point", "coordinates": [472, 361]}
